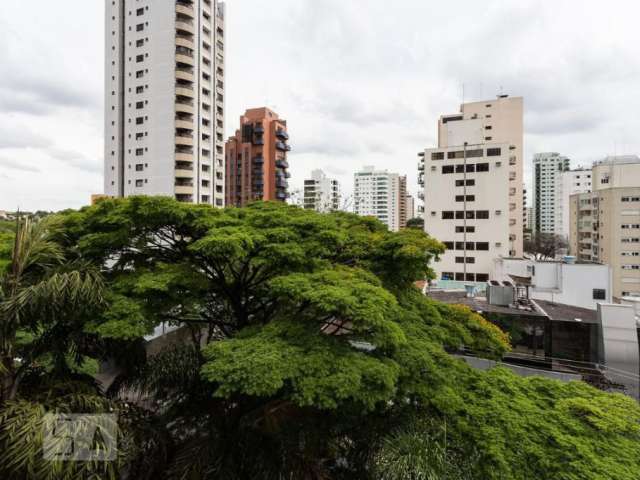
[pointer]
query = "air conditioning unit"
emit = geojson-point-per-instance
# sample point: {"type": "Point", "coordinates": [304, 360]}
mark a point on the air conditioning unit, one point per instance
{"type": "Point", "coordinates": [498, 244]}
{"type": "Point", "coordinates": [498, 212]}
{"type": "Point", "coordinates": [498, 164]}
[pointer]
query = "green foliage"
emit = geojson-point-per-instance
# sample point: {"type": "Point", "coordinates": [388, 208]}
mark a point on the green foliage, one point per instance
{"type": "Point", "coordinates": [304, 351]}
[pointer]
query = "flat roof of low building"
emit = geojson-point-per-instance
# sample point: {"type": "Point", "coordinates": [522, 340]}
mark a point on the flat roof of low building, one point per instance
{"type": "Point", "coordinates": [541, 308]}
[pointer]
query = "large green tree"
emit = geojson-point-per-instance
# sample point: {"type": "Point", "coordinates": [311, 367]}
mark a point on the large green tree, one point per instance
{"type": "Point", "coordinates": [306, 352]}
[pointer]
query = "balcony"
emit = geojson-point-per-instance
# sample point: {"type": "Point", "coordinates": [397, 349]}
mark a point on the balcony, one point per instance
{"type": "Point", "coordinates": [258, 141]}
{"type": "Point", "coordinates": [184, 73]}
{"type": "Point", "coordinates": [185, 8]}
{"type": "Point", "coordinates": [282, 183]}
{"type": "Point", "coordinates": [259, 129]}
{"type": "Point", "coordinates": [185, 26]}
{"type": "Point", "coordinates": [185, 140]}
{"type": "Point", "coordinates": [421, 167]}
{"type": "Point", "coordinates": [184, 91]}
{"type": "Point", "coordinates": [282, 164]}
{"type": "Point", "coordinates": [185, 58]}
{"type": "Point", "coordinates": [183, 172]}
{"type": "Point", "coordinates": [185, 41]}
{"type": "Point", "coordinates": [184, 157]}
{"type": "Point", "coordinates": [282, 134]}
{"type": "Point", "coordinates": [184, 124]}
{"type": "Point", "coordinates": [281, 195]}
{"type": "Point", "coordinates": [282, 146]}
{"type": "Point", "coordinates": [258, 160]}
{"type": "Point", "coordinates": [184, 105]}
{"type": "Point", "coordinates": [184, 197]}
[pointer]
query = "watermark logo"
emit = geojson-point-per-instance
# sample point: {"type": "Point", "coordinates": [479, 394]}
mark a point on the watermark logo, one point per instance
{"type": "Point", "coordinates": [80, 438]}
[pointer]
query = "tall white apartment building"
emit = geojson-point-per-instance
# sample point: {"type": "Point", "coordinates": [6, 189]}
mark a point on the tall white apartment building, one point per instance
{"type": "Point", "coordinates": [473, 190]}
{"type": "Point", "coordinates": [376, 194]}
{"type": "Point", "coordinates": [164, 99]}
{"type": "Point", "coordinates": [547, 168]}
{"type": "Point", "coordinates": [569, 183]}
{"type": "Point", "coordinates": [321, 193]}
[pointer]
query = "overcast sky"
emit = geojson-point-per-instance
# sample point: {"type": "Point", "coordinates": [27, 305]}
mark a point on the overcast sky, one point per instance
{"type": "Point", "coordinates": [359, 81]}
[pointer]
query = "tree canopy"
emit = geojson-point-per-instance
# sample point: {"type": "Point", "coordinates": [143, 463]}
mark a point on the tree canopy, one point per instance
{"type": "Point", "coordinates": [303, 351]}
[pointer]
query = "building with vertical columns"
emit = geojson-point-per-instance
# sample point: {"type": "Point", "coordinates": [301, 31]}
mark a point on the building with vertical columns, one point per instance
{"type": "Point", "coordinates": [403, 213]}
{"type": "Point", "coordinates": [164, 99]}
{"type": "Point", "coordinates": [547, 169]}
{"type": "Point", "coordinates": [321, 193]}
{"type": "Point", "coordinates": [256, 159]}
{"type": "Point", "coordinates": [605, 224]}
{"type": "Point", "coordinates": [473, 189]}
{"type": "Point", "coordinates": [410, 206]}
{"type": "Point", "coordinates": [569, 183]}
{"type": "Point", "coordinates": [376, 194]}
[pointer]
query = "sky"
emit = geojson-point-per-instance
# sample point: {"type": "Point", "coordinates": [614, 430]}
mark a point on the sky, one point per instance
{"type": "Point", "coordinates": [360, 82]}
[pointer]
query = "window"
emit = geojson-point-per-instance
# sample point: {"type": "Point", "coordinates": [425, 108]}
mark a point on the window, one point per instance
{"type": "Point", "coordinates": [437, 156]}
{"type": "Point", "coordinates": [494, 152]}
{"type": "Point", "coordinates": [470, 168]}
{"type": "Point", "coordinates": [459, 259]}
{"type": "Point", "coordinates": [470, 260]}
{"type": "Point", "coordinates": [140, 74]}
{"type": "Point", "coordinates": [447, 215]}
{"type": "Point", "coordinates": [139, 105]}
{"type": "Point", "coordinates": [140, 11]}
{"type": "Point", "coordinates": [139, 152]}
{"type": "Point", "coordinates": [469, 229]}
{"type": "Point", "coordinates": [139, 167]}
{"type": "Point", "coordinates": [139, 183]}
{"type": "Point", "coordinates": [599, 294]}
{"type": "Point", "coordinates": [139, 58]}
{"type": "Point", "coordinates": [140, 43]}
{"type": "Point", "coordinates": [448, 245]}
{"type": "Point", "coordinates": [139, 120]}
{"type": "Point", "coordinates": [139, 89]}
{"type": "Point", "coordinates": [482, 214]}
{"type": "Point", "coordinates": [482, 277]}
{"type": "Point", "coordinates": [447, 275]}
{"type": "Point", "coordinates": [456, 154]}
{"type": "Point", "coordinates": [460, 277]}
{"type": "Point", "coordinates": [482, 246]}
{"type": "Point", "coordinates": [140, 27]}
{"type": "Point", "coordinates": [482, 167]}
{"type": "Point", "coordinates": [631, 267]}
{"type": "Point", "coordinates": [470, 198]}
{"type": "Point", "coordinates": [470, 183]}
{"type": "Point", "coordinates": [447, 169]}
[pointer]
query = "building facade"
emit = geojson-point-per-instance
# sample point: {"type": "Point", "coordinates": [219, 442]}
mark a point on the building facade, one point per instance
{"type": "Point", "coordinates": [376, 194]}
{"type": "Point", "coordinates": [569, 183]}
{"type": "Point", "coordinates": [605, 224]}
{"type": "Point", "coordinates": [547, 168]}
{"type": "Point", "coordinates": [473, 188]}
{"type": "Point", "coordinates": [410, 205]}
{"type": "Point", "coordinates": [321, 193]}
{"type": "Point", "coordinates": [256, 159]}
{"type": "Point", "coordinates": [164, 99]}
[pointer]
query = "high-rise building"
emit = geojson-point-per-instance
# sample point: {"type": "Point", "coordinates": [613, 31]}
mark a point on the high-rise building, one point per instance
{"type": "Point", "coordinates": [410, 207]}
{"type": "Point", "coordinates": [547, 168]}
{"type": "Point", "coordinates": [569, 183]}
{"type": "Point", "coordinates": [256, 158]}
{"type": "Point", "coordinates": [605, 224]}
{"type": "Point", "coordinates": [403, 212]}
{"type": "Point", "coordinates": [473, 187]}
{"type": "Point", "coordinates": [164, 99]}
{"type": "Point", "coordinates": [377, 194]}
{"type": "Point", "coordinates": [321, 193]}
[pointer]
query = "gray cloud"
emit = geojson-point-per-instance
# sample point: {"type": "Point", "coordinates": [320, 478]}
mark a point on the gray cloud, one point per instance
{"type": "Point", "coordinates": [17, 136]}
{"type": "Point", "coordinates": [16, 165]}
{"type": "Point", "coordinates": [76, 160]}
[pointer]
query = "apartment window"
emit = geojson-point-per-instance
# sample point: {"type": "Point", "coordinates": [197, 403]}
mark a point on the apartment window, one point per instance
{"type": "Point", "coordinates": [488, 127]}
{"type": "Point", "coordinates": [139, 136]}
{"type": "Point", "coordinates": [482, 167]}
{"type": "Point", "coordinates": [482, 214]}
{"type": "Point", "coordinates": [139, 183]}
{"type": "Point", "coordinates": [631, 254]}
{"type": "Point", "coordinates": [494, 152]}
{"type": "Point", "coordinates": [139, 105]}
{"type": "Point", "coordinates": [599, 294]}
{"type": "Point", "coordinates": [447, 215]}
{"type": "Point", "coordinates": [631, 267]}
{"type": "Point", "coordinates": [139, 58]}
{"type": "Point", "coordinates": [488, 139]}
{"type": "Point", "coordinates": [448, 245]}
{"type": "Point", "coordinates": [447, 275]}
{"type": "Point", "coordinates": [470, 183]}
{"type": "Point", "coordinates": [140, 27]}
{"type": "Point", "coordinates": [139, 167]}
{"type": "Point", "coordinates": [139, 120]}
{"type": "Point", "coordinates": [140, 11]}
{"type": "Point", "coordinates": [482, 277]}
{"type": "Point", "coordinates": [475, 153]}
{"type": "Point", "coordinates": [482, 246]}
{"type": "Point", "coordinates": [140, 89]}
{"type": "Point", "coordinates": [469, 229]}
{"type": "Point", "coordinates": [470, 260]}
{"type": "Point", "coordinates": [461, 198]}
{"type": "Point", "coordinates": [437, 156]}
{"type": "Point", "coordinates": [140, 43]}
{"type": "Point", "coordinates": [448, 169]}
{"type": "Point", "coordinates": [140, 74]}
{"type": "Point", "coordinates": [139, 152]}
{"type": "Point", "coordinates": [460, 277]}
